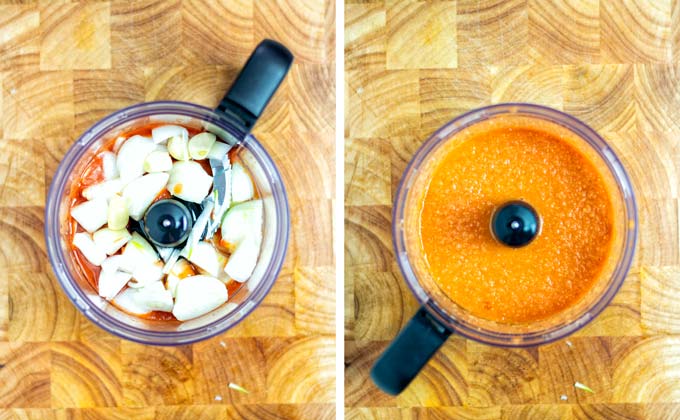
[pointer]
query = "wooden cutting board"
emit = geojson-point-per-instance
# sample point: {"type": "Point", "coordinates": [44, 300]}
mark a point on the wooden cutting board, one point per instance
{"type": "Point", "coordinates": [65, 65]}
{"type": "Point", "coordinates": [411, 66]}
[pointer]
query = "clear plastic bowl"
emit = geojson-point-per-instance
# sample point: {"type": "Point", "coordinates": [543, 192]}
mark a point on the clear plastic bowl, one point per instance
{"type": "Point", "coordinates": [275, 236]}
{"type": "Point", "coordinates": [457, 319]}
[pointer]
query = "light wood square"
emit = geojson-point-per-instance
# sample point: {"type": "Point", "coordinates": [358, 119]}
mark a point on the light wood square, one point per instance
{"type": "Point", "coordinates": [22, 248]}
{"type": "Point", "coordinates": [660, 311]}
{"type": "Point", "coordinates": [365, 35]}
{"type": "Point", "coordinates": [37, 104]}
{"type": "Point", "coordinates": [460, 413]}
{"type": "Point", "coordinates": [75, 36]}
{"type": "Point", "coordinates": [205, 85]}
{"type": "Point", "coordinates": [40, 309]}
{"type": "Point", "coordinates": [373, 413]}
{"type": "Point", "coordinates": [609, 411]}
{"type": "Point", "coordinates": [657, 233]}
{"type": "Point", "coordinates": [274, 316]}
{"type": "Point", "coordinates": [635, 32]}
{"type": "Point", "coordinates": [312, 97]}
{"type": "Point", "coordinates": [98, 93]}
{"type": "Point", "coordinates": [22, 173]}
{"type": "Point", "coordinates": [146, 33]}
{"type": "Point", "coordinates": [585, 360]}
{"type": "Point", "coordinates": [492, 32]}
{"type": "Point", "coordinates": [292, 151]}
{"type": "Point", "coordinates": [281, 411]}
{"type": "Point", "coordinates": [564, 32]}
{"type": "Point", "coordinates": [302, 27]}
{"type": "Point", "coordinates": [313, 361]}
{"type": "Point", "coordinates": [383, 304]}
{"type": "Point", "coordinates": [220, 361]}
{"type": "Point", "coordinates": [360, 390]}
{"type": "Point", "coordinates": [217, 32]}
{"type": "Point", "coordinates": [315, 300]}
{"type": "Point", "coordinates": [658, 104]}
{"type": "Point", "coordinates": [312, 232]}
{"type": "Point", "coordinates": [421, 35]}
{"type": "Point", "coordinates": [601, 95]}
{"type": "Point", "coordinates": [498, 376]}
{"type": "Point", "coordinates": [86, 374]}
{"type": "Point", "coordinates": [383, 104]}
{"type": "Point", "coordinates": [543, 85]}
{"type": "Point", "coordinates": [20, 44]}
{"type": "Point", "coordinates": [25, 376]}
{"type": "Point", "coordinates": [4, 310]}
{"type": "Point", "coordinates": [106, 413]}
{"type": "Point", "coordinates": [368, 237]}
{"type": "Point", "coordinates": [154, 376]}
{"type": "Point", "coordinates": [367, 172]}
{"type": "Point", "coordinates": [191, 412]}
{"type": "Point", "coordinates": [445, 94]}
{"type": "Point", "coordinates": [402, 151]}
{"type": "Point", "coordinates": [648, 372]}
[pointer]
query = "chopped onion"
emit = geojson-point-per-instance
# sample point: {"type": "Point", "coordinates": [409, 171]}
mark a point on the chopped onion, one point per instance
{"type": "Point", "coordinates": [119, 142]}
{"type": "Point", "coordinates": [198, 295]}
{"type": "Point", "coordinates": [138, 252]}
{"type": "Point", "coordinates": [130, 161]}
{"type": "Point", "coordinates": [158, 161]}
{"type": "Point", "coordinates": [189, 181]}
{"type": "Point", "coordinates": [164, 133]}
{"type": "Point", "coordinates": [109, 240]}
{"type": "Point", "coordinates": [105, 190]}
{"type": "Point", "coordinates": [178, 147]}
{"type": "Point", "coordinates": [113, 263]}
{"type": "Point", "coordinates": [171, 283]}
{"type": "Point", "coordinates": [241, 221]}
{"type": "Point", "coordinates": [205, 256]}
{"type": "Point", "coordinates": [109, 165]}
{"type": "Point", "coordinates": [118, 214]}
{"type": "Point", "coordinates": [83, 241]}
{"type": "Point", "coordinates": [147, 273]}
{"type": "Point", "coordinates": [152, 297]}
{"type": "Point", "coordinates": [241, 185]}
{"type": "Point", "coordinates": [200, 145]}
{"type": "Point", "coordinates": [242, 262]}
{"type": "Point", "coordinates": [141, 192]}
{"type": "Point", "coordinates": [91, 215]}
{"type": "Point", "coordinates": [111, 282]}
{"type": "Point", "coordinates": [218, 150]}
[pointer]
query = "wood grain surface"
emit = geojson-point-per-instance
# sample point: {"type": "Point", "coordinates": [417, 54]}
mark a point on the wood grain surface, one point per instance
{"type": "Point", "coordinates": [411, 66]}
{"type": "Point", "coordinates": [63, 66]}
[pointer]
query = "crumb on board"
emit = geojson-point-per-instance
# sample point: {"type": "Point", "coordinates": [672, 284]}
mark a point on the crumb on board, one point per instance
{"type": "Point", "coordinates": [223, 344]}
{"type": "Point", "coordinates": [579, 385]}
{"type": "Point", "coordinates": [563, 397]}
{"type": "Point", "coordinates": [218, 398]}
{"type": "Point", "coordinates": [238, 388]}
{"type": "Point", "coordinates": [569, 343]}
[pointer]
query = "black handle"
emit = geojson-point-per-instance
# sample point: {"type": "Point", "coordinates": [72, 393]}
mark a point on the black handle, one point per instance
{"type": "Point", "coordinates": [409, 352]}
{"type": "Point", "coordinates": [256, 83]}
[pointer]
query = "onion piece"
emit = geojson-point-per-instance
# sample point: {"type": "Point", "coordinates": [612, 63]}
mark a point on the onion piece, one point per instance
{"type": "Point", "coordinates": [130, 161]}
{"type": "Point", "coordinates": [151, 297]}
{"type": "Point", "coordinates": [198, 295]}
{"type": "Point", "coordinates": [91, 215]}
{"type": "Point", "coordinates": [147, 273]}
{"type": "Point", "coordinates": [111, 282]}
{"type": "Point", "coordinates": [83, 241]}
{"type": "Point", "coordinates": [242, 188]}
{"type": "Point", "coordinates": [218, 150]}
{"type": "Point", "coordinates": [105, 190]}
{"type": "Point", "coordinates": [138, 252]}
{"type": "Point", "coordinates": [118, 214]}
{"type": "Point", "coordinates": [109, 165]}
{"type": "Point", "coordinates": [241, 221]}
{"type": "Point", "coordinates": [141, 192]}
{"type": "Point", "coordinates": [189, 181]}
{"type": "Point", "coordinates": [242, 262]}
{"type": "Point", "coordinates": [200, 145]}
{"type": "Point", "coordinates": [205, 256]}
{"type": "Point", "coordinates": [119, 142]}
{"type": "Point", "coordinates": [109, 240]}
{"type": "Point", "coordinates": [164, 133]}
{"type": "Point", "coordinates": [178, 147]}
{"type": "Point", "coordinates": [158, 161]}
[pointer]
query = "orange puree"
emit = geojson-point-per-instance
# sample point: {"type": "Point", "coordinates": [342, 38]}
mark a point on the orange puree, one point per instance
{"type": "Point", "coordinates": [488, 167]}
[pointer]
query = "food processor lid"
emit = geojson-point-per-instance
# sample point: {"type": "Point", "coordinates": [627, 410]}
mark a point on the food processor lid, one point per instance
{"type": "Point", "coordinates": [515, 224]}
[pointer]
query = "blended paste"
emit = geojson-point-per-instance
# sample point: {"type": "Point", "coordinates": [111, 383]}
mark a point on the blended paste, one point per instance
{"type": "Point", "coordinates": [483, 170]}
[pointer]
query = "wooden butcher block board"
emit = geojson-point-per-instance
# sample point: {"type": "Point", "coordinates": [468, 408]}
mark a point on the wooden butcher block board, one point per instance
{"type": "Point", "coordinates": [63, 66]}
{"type": "Point", "coordinates": [411, 66]}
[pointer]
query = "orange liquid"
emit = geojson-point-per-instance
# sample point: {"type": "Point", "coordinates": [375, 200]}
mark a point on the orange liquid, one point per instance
{"type": "Point", "coordinates": [482, 172]}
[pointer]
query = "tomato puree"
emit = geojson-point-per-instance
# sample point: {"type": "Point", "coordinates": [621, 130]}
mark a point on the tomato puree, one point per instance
{"type": "Point", "coordinates": [484, 167]}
